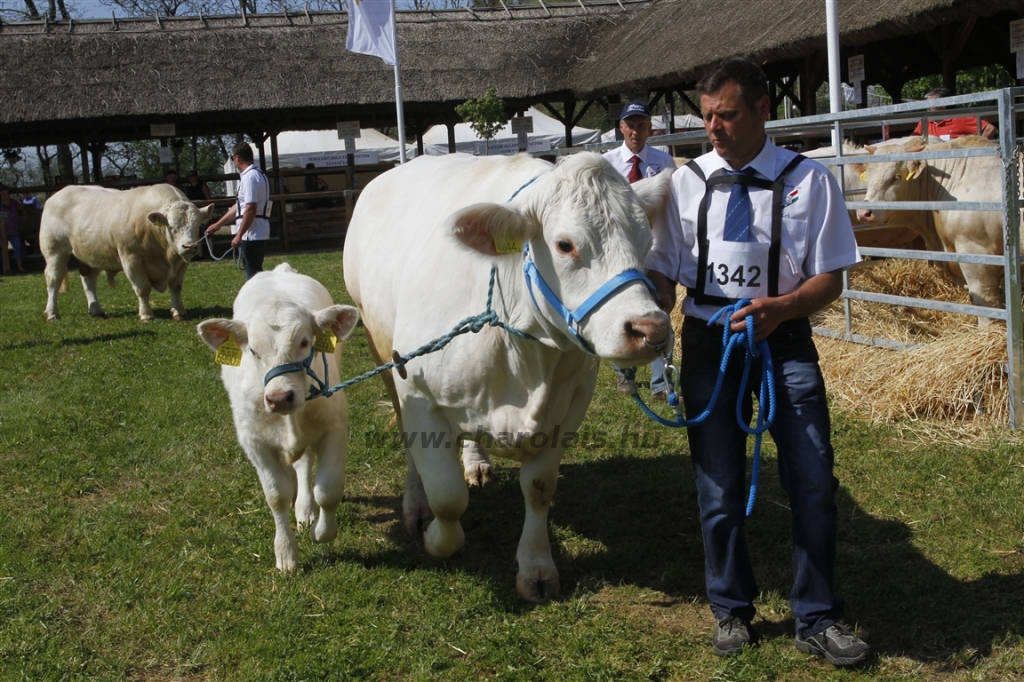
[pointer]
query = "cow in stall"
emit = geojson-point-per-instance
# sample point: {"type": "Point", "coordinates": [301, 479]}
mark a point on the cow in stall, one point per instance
{"type": "Point", "coordinates": [417, 266]}
{"type": "Point", "coordinates": [151, 233]}
{"type": "Point", "coordinates": [976, 179]}
{"type": "Point", "coordinates": [282, 320]}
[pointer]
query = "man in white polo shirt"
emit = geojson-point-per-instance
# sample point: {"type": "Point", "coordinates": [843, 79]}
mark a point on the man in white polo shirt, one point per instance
{"type": "Point", "coordinates": [249, 212]}
{"type": "Point", "coordinates": [635, 160]}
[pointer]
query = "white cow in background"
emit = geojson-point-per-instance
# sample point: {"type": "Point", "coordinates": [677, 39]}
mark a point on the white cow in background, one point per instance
{"type": "Point", "coordinates": [277, 319]}
{"type": "Point", "coordinates": [149, 232]}
{"type": "Point", "coordinates": [964, 179]}
{"type": "Point", "coordinates": [417, 260]}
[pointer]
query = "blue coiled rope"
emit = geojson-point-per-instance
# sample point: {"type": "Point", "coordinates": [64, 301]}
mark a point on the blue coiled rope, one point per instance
{"type": "Point", "coordinates": [766, 393]}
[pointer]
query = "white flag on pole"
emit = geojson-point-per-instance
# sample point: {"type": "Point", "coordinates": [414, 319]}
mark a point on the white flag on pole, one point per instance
{"type": "Point", "coordinates": [371, 29]}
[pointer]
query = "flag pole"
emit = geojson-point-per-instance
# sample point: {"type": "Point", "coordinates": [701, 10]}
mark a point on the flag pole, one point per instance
{"type": "Point", "coordinates": [398, 87]}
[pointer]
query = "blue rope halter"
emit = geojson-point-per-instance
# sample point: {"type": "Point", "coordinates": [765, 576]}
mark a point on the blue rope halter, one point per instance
{"type": "Point", "coordinates": [766, 394]}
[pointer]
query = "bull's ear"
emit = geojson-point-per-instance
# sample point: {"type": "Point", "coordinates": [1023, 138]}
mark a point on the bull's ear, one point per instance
{"type": "Point", "coordinates": [870, 148]}
{"type": "Point", "coordinates": [652, 193]}
{"type": "Point", "coordinates": [340, 318]}
{"type": "Point", "coordinates": [491, 228]}
{"type": "Point", "coordinates": [207, 212]}
{"type": "Point", "coordinates": [216, 331]}
{"type": "Point", "coordinates": [859, 168]}
{"type": "Point", "coordinates": [157, 218]}
{"type": "Point", "coordinates": [916, 144]}
{"type": "Point", "coordinates": [914, 169]}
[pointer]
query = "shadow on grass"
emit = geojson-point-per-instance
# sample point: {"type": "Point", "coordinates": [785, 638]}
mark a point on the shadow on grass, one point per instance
{"type": "Point", "coordinates": [634, 521]}
{"type": "Point", "coordinates": [81, 341]}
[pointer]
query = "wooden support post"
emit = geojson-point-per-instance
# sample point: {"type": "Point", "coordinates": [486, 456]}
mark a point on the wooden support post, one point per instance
{"type": "Point", "coordinates": [450, 125]}
{"type": "Point", "coordinates": [84, 149]}
{"type": "Point", "coordinates": [282, 210]}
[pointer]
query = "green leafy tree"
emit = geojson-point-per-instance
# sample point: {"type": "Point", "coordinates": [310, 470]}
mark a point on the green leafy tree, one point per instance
{"type": "Point", "coordinates": [968, 81]}
{"type": "Point", "coordinates": [485, 115]}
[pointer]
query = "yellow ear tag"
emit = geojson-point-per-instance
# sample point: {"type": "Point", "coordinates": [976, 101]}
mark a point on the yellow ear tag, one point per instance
{"type": "Point", "coordinates": [910, 174]}
{"type": "Point", "coordinates": [507, 245]}
{"type": "Point", "coordinates": [864, 176]}
{"type": "Point", "coordinates": [326, 340]}
{"type": "Point", "coordinates": [228, 353]}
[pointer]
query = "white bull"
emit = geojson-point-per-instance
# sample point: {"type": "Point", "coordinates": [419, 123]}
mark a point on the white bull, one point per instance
{"type": "Point", "coordinates": [149, 232]}
{"type": "Point", "coordinates": [418, 258]}
{"type": "Point", "coordinates": [963, 179]}
{"type": "Point", "coordinates": [277, 319]}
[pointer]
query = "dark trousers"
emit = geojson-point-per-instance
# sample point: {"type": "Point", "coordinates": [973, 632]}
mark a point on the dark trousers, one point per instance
{"type": "Point", "coordinates": [718, 446]}
{"type": "Point", "coordinates": [252, 253]}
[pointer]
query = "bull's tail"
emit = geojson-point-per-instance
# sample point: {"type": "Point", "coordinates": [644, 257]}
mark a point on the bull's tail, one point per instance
{"type": "Point", "coordinates": [110, 277]}
{"type": "Point", "coordinates": [64, 284]}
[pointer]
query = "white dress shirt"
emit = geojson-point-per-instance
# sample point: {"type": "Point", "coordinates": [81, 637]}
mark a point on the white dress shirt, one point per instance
{"type": "Point", "coordinates": [253, 188]}
{"type": "Point", "coordinates": [817, 235]}
{"type": "Point", "coordinates": [652, 161]}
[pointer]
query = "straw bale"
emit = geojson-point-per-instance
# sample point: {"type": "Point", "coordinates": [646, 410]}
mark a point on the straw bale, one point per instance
{"type": "Point", "coordinates": [954, 372]}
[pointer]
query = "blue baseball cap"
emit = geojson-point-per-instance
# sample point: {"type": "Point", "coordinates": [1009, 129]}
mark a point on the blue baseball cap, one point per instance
{"type": "Point", "coordinates": [635, 107]}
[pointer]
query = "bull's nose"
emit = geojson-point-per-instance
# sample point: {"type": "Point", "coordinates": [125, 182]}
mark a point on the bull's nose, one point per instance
{"type": "Point", "coordinates": [865, 215]}
{"type": "Point", "coordinates": [280, 400]}
{"type": "Point", "coordinates": [653, 330]}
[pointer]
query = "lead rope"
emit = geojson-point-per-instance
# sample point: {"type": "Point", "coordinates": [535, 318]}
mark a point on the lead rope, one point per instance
{"type": "Point", "coordinates": [766, 393]}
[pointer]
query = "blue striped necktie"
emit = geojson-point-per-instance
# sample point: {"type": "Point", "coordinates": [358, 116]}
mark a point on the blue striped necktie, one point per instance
{"type": "Point", "coordinates": [737, 214]}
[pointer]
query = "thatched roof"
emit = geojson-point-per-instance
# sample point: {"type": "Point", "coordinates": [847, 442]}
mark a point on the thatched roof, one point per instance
{"type": "Point", "coordinates": [111, 79]}
{"type": "Point", "coordinates": [675, 41]}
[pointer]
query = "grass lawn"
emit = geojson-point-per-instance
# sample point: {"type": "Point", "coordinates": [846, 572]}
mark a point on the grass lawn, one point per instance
{"type": "Point", "coordinates": [135, 542]}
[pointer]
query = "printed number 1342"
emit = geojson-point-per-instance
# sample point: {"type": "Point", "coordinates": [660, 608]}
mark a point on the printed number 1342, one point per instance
{"type": "Point", "coordinates": [744, 276]}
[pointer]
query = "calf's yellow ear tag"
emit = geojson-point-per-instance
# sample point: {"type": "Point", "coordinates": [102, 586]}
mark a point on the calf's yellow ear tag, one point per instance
{"type": "Point", "coordinates": [229, 353]}
{"type": "Point", "coordinates": [326, 340]}
{"type": "Point", "coordinates": [864, 176]}
{"type": "Point", "coordinates": [910, 174]}
{"type": "Point", "coordinates": [507, 245]}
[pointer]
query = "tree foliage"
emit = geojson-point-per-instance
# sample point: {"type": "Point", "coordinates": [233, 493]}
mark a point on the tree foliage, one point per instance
{"type": "Point", "coordinates": [485, 115]}
{"type": "Point", "coordinates": [968, 81]}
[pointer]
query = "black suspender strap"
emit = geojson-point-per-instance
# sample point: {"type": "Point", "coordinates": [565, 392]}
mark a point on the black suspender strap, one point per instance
{"type": "Point", "coordinates": [238, 205]}
{"type": "Point", "coordinates": [703, 245]}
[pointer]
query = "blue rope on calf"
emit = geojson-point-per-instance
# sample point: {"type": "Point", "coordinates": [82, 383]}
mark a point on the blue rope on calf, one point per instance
{"type": "Point", "coordinates": [766, 394]}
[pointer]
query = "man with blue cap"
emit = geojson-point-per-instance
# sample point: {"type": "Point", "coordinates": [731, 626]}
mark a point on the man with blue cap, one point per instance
{"type": "Point", "coordinates": [636, 161]}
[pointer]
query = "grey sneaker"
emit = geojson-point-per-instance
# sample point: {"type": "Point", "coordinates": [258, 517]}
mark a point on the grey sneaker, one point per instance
{"type": "Point", "coordinates": [837, 644]}
{"type": "Point", "coordinates": [621, 385]}
{"type": "Point", "coordinates": [731, 634]}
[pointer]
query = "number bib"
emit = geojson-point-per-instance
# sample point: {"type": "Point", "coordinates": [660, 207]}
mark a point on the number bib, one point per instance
{"type": "Point", "coordinates": [736, 270]}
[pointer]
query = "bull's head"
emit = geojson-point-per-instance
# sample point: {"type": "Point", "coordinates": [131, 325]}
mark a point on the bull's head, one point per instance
{"type": "Point", "coordinates": [279, 335]}
{"type": "Point", "coordinates": [890, 181]}
{"type": "Point", "coordinates": [584, 225]}
{"type": "Point", "coordinates": [182, 222]}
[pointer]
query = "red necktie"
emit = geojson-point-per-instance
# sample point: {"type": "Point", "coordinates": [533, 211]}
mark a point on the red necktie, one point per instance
{"type": "Point", "coordinates": [634, 172]}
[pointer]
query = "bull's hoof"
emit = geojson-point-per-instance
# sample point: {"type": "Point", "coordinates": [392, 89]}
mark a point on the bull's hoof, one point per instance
{"type": "Point", "coordinates": [146, 318]}
{"type": "Point", "coordinates": [50, 317]}
{"type": "Point", "coordinates": [98, 313]}
{"type": "Point", "coordinates": [537, 587]}
{"type": "Point", "coordinates": [478, 474]}
{"type": "Point", "coordinates": [306, 513]}
{"type": "Point", "coordinates": [178, 315]}
{"type": "Point", "coordinates": [326, 528]}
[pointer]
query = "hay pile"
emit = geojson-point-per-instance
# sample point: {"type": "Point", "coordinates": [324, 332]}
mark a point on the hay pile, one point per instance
{"type": "Point", "coordinates": [954, 373]}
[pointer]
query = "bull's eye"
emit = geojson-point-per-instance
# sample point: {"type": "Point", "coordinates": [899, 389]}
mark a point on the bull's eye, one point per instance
{"type": "Point", "coordinates": [565, 246]}
{"type": "Point", "coordinates": [254, 353]}
{"type": "Point", "coordinates": [304, 343]}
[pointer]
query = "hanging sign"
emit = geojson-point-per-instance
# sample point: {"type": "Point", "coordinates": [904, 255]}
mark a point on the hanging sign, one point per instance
{"type": "Point", "coordinates": [1017, 36]}
{"type": "Point", "coordinates": [161, 129]}
{"type": "Point", "coordinates": [348, 129]}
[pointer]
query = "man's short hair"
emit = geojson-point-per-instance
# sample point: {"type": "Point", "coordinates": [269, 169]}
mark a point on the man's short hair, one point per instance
{"type": "Point", "coordinates": [938, 92]}
{"type": "Point", "coordinates": [745, 73]}
{"type": "Point", "coordinates": [243, 151]}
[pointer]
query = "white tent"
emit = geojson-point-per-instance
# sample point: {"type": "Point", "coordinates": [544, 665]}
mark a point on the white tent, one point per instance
{"type": "Point", "coordinates": [322, 148]}
{"type": "Point", "coordinates": [548, 133]}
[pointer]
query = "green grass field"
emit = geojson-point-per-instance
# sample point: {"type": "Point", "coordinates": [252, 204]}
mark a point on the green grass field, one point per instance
{"type": "Point", "coordinates": [135, 542]}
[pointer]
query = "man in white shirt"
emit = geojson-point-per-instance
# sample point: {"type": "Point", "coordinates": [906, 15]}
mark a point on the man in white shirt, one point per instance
{"type": "Point", "coordinates": [249, 212]}
{"type": "Point", "coordinates": [750, 220]}
{"type": "Point", "coordinates": [635, 160]}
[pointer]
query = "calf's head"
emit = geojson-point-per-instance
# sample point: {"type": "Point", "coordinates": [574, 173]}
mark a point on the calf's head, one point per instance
{"type": "Point", "coordinates": [278, 335]}
{"type": "Point", "coordinates": [182, 222]}
{"type": "Point", "coordinates": [584, 225]}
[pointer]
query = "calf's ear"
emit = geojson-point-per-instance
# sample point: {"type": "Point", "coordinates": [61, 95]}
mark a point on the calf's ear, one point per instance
{"type": "Point", "coordinates": [216, 331]}
{"type": "Point", "coordinates": [207, 212]}
{"type": "Point", "coordinates": [157, 218]}
{"type": "Point", "coordinates": [652, 193]}
{"type": "Point", "coordinates": [491, 229]}
{"type": "Point", "coordinates": [914, 169]}
{"type": "Point", "coordinates": [340, 318]}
